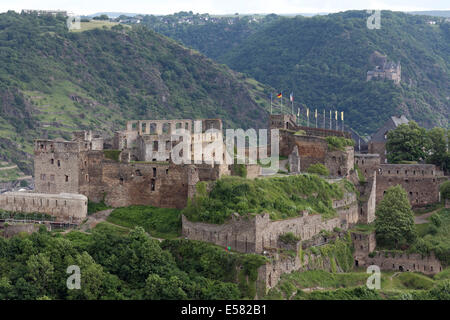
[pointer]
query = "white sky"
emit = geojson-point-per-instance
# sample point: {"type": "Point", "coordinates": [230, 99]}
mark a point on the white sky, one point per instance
{"type": "Point", "coordinates": [221, 6]}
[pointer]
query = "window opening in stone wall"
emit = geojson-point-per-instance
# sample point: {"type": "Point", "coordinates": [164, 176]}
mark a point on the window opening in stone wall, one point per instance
{"type": "Point", "coordinates": [67, 178]}
{"type": "Point", "coordinates": [154, 172]}
{"type": "Point", "coordinates": [152, 185]}
{"type": "Point", "coordinates": [59, 163]}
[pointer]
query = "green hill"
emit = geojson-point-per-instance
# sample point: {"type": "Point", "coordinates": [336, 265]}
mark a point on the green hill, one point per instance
{"type": "Point", "coordinates": [53, 81]}
{"type": "Point", "coordinates": [324, 60]}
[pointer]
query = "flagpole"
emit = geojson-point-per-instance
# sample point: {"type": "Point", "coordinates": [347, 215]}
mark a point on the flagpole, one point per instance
{"type": "Point", "coordinates": [282, 111]}
{"type": "Point", "coordinates": [324, 118]}
{"type": "Point", "coordinates": [307, 114]}
{"type": "Point", "coordinates": [315, 114]}
{"type": "Point", "coordinates": [330, 119]}
{"type": "Point", "coordinates": [271, 103]}
{"type": "Point", "coordinates": [292, 102]}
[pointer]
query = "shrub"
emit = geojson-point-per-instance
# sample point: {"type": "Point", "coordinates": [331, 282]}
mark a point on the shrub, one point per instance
{"type": "Point", "coordinates": [112, 154]}
{"type": "Point", "coordinates": [319, 169]}
{"type": "Point", "coordinates": [436, 220]}
{"type": "Point", "coordinates": [339, 143]}
{"type": "Point", "coordinates": [289, 238]}
{"type": "Point", "coordinates": [445, 190]}
{"type": "Point", "coordinates": [240, 170]}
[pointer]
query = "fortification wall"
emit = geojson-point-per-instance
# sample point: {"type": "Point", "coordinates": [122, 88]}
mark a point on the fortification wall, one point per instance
{"type": "Point", "coordinates": [367, 203]}
{"type": "Point", "coordinates": [56, 166]}
{"type": "Point", "coordinates": [378, 148]}
{"type": "Point", "coordinates": [405, 262]}
{"type": "Point", "coordinates": [368, 164]}
{"type": "Point", "coordinates": [11, 230]}
{"type": "Point", "coordinates": [421, 181]}
{"type": "Point", "coordinates": [364, 243]}
{"type": "Point", "coordinates": [257, 233]}
{"type": "Point", "coordinates": [239, 233]}
{"type": "Point", "coordinates": [65, 207]}
{"type": "Point", "coordinates": [160, 185]}
{"type": "Point", "coordinates": [340, 163]}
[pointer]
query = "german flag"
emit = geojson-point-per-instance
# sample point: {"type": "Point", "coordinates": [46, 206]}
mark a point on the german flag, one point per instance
{"type": "Point", "coordinates": [280, 95]}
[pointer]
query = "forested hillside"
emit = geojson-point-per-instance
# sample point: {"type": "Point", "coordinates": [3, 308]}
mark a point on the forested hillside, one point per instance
{"type": "Point", "coordinates": [53, 81]}
{"type": "Point", "coordinates": [211, 35]}
{"type": "Point", "coordinates": [324, 60]}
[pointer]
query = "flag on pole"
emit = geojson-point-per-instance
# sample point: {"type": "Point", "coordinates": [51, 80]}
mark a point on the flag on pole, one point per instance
{"type": "Point", "coordinates": [335, 115]}
{"type": "Point", "coordinates": [291, 97]}
{"type": "Point", "coordinates": [307, 112]}
{"type": "Point", "coordinates": [315, 115]}
{"type": "Point", "coordinates": [280, 95]}
{"type": "Point", "coordinates": [298, 112]}
{"type": "Point", "coordinates": [342, 115]}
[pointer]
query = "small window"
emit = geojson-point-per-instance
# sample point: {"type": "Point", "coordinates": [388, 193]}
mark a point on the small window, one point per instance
{"type": "Point", "coordinates": [67, 178]}
{"type": "Point", "coordinates": [152, 185]}
{"type": "Point", "coordinates": [167, 171]}
{"type": "Point", "coordinates": [52, 161]}
{"type": "Point", "coordinates": [154, 172]}
{"type": "Point", "coordinates": [59, 163]}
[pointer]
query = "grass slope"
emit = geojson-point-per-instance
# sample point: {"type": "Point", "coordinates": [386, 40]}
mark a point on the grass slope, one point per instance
{"type": "Point", "coordinates": [281, 197]}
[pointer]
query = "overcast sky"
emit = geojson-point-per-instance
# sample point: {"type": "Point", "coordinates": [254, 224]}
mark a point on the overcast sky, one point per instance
{"type": "Point", "coordinates": [222, 6]}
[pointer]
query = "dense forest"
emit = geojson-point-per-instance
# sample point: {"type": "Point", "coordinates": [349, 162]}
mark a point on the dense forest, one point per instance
{"type": "Point", "coordinates": [117, 266]}
{"type": "Point", "coordinates": [324, 60]}
{"type": "Point", "coordinates": [53, 81]}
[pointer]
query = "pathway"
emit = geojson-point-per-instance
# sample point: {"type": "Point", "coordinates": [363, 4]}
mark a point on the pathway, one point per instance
{"type": "Point", "coordinates": [423, 217]}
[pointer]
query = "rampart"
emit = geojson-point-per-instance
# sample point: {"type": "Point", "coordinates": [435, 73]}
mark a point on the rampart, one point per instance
{"type": "Point", "coordinates": [65, 207]}
{"type": "Point", "coordinates": [255, 233]}
{"type": "Point", "coordinates": [364, 254]}
{"type": "Point", "coordinates": [421, 181]}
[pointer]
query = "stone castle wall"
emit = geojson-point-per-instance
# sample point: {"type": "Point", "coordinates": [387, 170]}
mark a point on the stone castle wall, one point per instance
{"type": "Point", "coordinates": [378, 148]}
{"type": "Point", "coordinates": [254, 234]}
{"type": "Point", "coordinates": [314, 150]}
{"type": "Point", "coordinates": [65, 207]}
{"type": "Point", "coordinates": [421, 181]}
{"type": "Point", "coordinates": [406, 262]}
{"type": "Point", "coordinates": [365, 243]}
{"type": "Point", "coordinates": [368, 164]}
{"type": "Point", "coordinates": [340, 163]}
{"type": "Point", "coordinates": [56, 166]}
{"type": "Point", "coordinates": [160, 185]}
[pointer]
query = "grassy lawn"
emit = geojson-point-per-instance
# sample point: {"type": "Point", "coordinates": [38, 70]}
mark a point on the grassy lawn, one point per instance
{"type": "Point", "coordinates": [109, 228]}
{"type": "Point", "coordinates": [158, 222]}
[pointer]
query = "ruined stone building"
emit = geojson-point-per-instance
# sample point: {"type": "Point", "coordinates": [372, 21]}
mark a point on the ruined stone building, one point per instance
{"type": "Point", "coordinates": [377, 143]}
{"type": "Point", "coordinates": [364, 254]}
{"type": "Point", "coordinates": [385, 69]}
{"type": "Point", "coordinates": [312, 146]}
{"type": "Point", "coordinates": [421, 181]}
{"type": "Point", "coordinates": [135, 169]}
